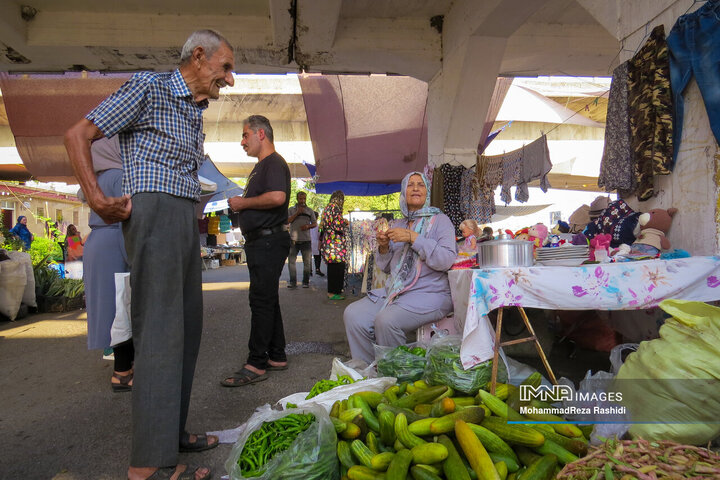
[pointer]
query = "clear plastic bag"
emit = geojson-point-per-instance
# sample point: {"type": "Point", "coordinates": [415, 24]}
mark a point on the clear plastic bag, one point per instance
{"type": "Point", "coordinates": [595, 385]}
{"type": "Point", "coordinates": [398, 363]}
{"type": "Point", "coordinates": [443, 367]}
{"type": "Point", "coordinates": [671, 385]}
{"type": "Point", "coordinates": [312, 456]}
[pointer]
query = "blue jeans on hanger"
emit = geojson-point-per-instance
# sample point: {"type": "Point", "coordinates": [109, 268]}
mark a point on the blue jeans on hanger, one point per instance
{"type": "Point", "coordinates": [694, 44]}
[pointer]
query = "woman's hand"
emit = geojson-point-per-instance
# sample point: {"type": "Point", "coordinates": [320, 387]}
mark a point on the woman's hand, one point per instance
{"type": "Point", "coordinates": [383, 241]}
{"type": "Point", "coordinates": [399, 235]}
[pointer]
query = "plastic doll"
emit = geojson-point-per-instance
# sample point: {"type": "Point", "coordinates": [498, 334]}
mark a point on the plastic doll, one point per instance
{"type": "Point", "coordinates": [470, 231]}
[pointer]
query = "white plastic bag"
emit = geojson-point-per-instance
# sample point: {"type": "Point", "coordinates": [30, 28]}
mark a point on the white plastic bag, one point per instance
{"type": "Point", "coordinates": [342, 392]}
{"type": "Point", "coordinates": [121, 329]}
{"type": "Point", "coordinates": [355, 369]}
{"type": "Point", "coordinates": [12, 286]}
{"type": "Point", "coordinates": [28, 297]}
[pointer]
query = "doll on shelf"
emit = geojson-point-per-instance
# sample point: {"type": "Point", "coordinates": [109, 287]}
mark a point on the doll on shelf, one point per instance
{"type": "Point", "coordinates": [470, 231]}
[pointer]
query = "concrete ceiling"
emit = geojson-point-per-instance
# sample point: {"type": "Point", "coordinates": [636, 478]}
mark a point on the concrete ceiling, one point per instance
{"type": "Point", "coordinates": [419, 38]}
{"type": "Point", "coordinates": [335, 36]}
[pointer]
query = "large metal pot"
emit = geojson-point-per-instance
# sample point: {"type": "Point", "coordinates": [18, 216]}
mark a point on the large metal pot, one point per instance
{"type": "Point", "coordinates": [505, 253]}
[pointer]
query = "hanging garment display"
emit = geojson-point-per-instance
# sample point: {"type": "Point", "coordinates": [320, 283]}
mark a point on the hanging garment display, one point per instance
{"type": "Point", "coordinates": [650, 110]}
{"type": "Point", "coordinates": [694, 44]}
{"type": "Point", "coordinates": [225, 225]}
{"type": "Point", "coordinates": [436, 189]}
{"type": "Point", "coordinates": [452, 177]}
{"type": "Point", "coordinates": [214, 225]}
{"type": "Point", "coordinates": [469, 192]}
{"type": "Point", "coordinates": [536, 164]}
{"type": "Point", "coordinates": [490, 174]}
{"type": "Point", "coordinates": [617, 171]}
{"type": "Point", "coordinates": [512, 171]}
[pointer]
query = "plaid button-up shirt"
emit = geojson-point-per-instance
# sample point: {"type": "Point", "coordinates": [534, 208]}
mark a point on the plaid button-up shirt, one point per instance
{"type": "Point", "coordinates": [160, 129]}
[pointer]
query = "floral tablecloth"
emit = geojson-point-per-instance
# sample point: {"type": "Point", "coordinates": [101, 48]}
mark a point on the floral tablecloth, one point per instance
{"type": "Point", "coordinates": [610, 286]}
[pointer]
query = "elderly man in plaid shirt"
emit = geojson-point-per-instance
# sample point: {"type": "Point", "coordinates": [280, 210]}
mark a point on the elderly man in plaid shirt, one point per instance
{"type": "Point", "coordinates": [158, 118]}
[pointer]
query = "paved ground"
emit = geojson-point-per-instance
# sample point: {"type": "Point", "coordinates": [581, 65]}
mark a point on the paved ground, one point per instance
{"type": "Point", "coordinates": [61, 421]}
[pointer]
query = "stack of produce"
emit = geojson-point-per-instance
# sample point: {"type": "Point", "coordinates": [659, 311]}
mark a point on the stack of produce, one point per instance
{"type": "Point", "coordinates": [402, 362]}
{"type": "Point", "coordinates": [626, 459]}
{"type": "Point", "coordinates": [423, 432]}
{"type": "Point", "coordinates": [414, 430]}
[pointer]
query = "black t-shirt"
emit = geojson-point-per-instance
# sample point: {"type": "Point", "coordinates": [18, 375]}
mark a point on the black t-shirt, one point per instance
{"type": "Point", "coordinates": [271, 174]}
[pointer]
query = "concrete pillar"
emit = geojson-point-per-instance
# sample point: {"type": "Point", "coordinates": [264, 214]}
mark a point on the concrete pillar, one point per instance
{"type": "Point", "coordinates": [459, 97]}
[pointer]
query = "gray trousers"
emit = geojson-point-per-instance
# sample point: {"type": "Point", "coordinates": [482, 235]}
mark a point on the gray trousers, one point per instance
{"type": "Point", "coordinates": [161, 238]}
{"type": "Point", "coordinates": [306, 249]}
{"type": "Point", "coordinates": [366, 324]}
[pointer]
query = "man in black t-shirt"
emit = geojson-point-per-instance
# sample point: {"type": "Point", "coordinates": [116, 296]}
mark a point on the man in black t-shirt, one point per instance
{"type": "Point", "coordinates": [263, 215]}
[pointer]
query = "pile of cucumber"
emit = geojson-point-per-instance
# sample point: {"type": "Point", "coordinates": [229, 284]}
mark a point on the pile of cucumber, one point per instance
{"type": "Point", "coordinates": [422, 432]}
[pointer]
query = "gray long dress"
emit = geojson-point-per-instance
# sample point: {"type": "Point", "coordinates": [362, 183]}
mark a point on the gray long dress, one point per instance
{"type": "Point", "coordinates": [103, 255]}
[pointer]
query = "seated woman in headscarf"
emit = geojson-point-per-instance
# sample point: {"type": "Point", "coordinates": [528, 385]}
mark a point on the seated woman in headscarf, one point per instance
{"type": "Point", "coordinates": [417, 253]}
{"type": "Point", "coordinates": [21, 231]}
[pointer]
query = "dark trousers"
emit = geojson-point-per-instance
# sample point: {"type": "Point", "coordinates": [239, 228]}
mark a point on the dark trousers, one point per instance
{"type": "Point", "coordinates": [265, 260]}
{"type": "Point", "coordinates": [124, 353]}
{"type": "Point", "coordinates": [306, 249]}
{"type": "Point", "coordinates": [336, 277]}
{"type": "Point", "coordinates": [161, 238]}
{"type": "Point", "coordinates": [318, 259]}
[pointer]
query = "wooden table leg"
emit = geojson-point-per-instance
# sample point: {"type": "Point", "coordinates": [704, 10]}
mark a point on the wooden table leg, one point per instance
{"type": "Point", "coordinates": [537, 346]}
{"type": "Point", "coordinates": [496, 350]}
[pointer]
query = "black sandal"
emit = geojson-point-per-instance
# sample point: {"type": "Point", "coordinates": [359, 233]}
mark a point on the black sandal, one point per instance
{"type": "Point", "coordinates": [124, 385]}
{"type": "Point", "coordinates": [200, 444]}
{"type": "Point", "coordinates": [243, 377]}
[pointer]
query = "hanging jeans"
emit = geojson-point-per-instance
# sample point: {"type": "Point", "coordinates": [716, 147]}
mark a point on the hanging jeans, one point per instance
{"type": "Point", "coordinates": [694, 44]}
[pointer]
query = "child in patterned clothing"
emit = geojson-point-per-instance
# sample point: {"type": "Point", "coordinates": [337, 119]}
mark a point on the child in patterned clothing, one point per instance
{"type": "Point", "coordinates": [470, 231]}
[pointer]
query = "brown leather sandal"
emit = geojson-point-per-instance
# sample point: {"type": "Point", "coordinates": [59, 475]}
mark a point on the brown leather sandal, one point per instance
{"type": "Point", "coordinates": [124, 385]}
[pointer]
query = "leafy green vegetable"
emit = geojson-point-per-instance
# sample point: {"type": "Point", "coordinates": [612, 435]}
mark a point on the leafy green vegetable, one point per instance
{"type": "Point", "coordinates": [403, 363]}
{"type": "Point", "coordinates": [444, 368]}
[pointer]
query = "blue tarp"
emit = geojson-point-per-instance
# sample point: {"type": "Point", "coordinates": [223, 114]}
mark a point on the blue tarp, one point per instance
{"type": "Point", "coordinates": [353, 188]}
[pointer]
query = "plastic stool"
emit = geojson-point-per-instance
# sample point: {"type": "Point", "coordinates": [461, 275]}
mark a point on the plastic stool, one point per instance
{"type": "Point", "coordinates": [445, 325]}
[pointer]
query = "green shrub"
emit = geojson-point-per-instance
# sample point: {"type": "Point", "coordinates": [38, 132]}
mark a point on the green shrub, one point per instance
{"type": "Point", "coordinates": [9, 241]}
{"type": "Point", "coordinates": [44, 247]}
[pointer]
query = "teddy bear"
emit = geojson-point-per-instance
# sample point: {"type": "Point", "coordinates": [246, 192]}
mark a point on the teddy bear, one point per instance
{"type": "Point", "coordinates": [651, 230]}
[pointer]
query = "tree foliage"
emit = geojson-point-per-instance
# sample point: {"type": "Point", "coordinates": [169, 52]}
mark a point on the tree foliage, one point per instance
{"type": "Point", "coordinates": [318, 201]}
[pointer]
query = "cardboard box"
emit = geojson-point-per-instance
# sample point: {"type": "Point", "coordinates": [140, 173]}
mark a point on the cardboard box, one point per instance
{"type": "Point", "coordinates": [228, 262]}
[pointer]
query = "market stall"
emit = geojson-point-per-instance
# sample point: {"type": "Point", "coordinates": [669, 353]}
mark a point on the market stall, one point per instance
{"type": "Point", "coordinates": [609, 286]}
{"type": "Point", "coordinates": [222, 255]}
